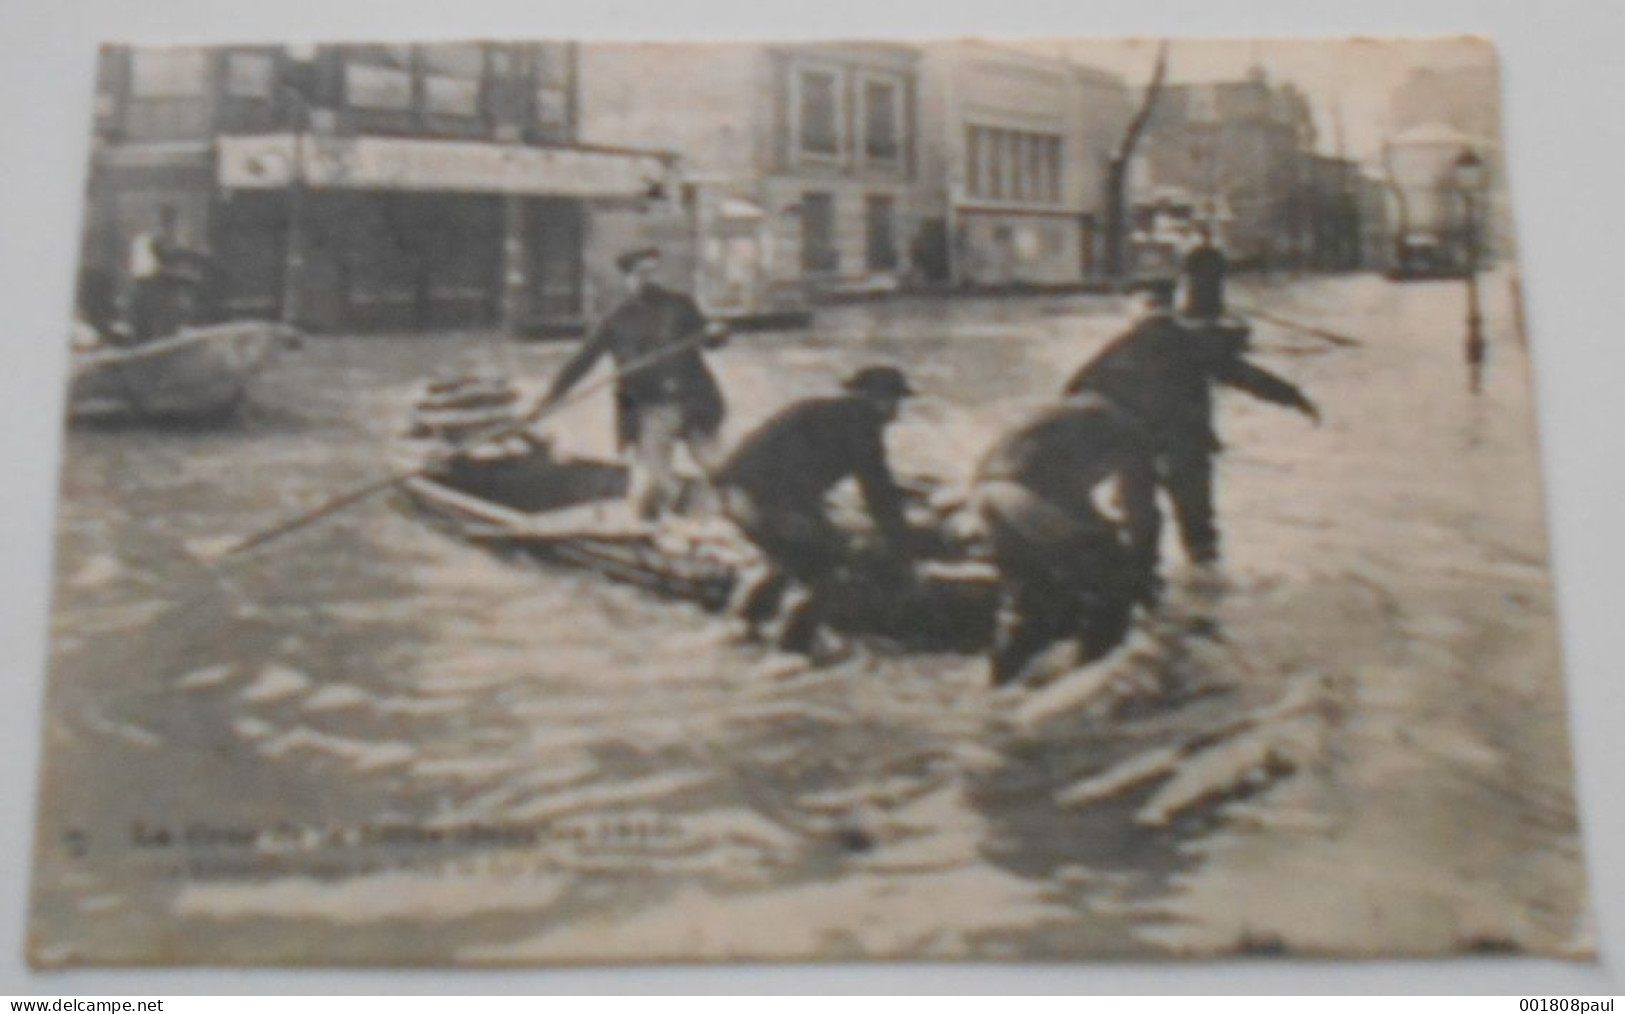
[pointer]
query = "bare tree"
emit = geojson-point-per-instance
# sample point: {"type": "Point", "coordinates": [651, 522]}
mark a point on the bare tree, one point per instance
{"type": "Point", "coordinates": [1117, 210]}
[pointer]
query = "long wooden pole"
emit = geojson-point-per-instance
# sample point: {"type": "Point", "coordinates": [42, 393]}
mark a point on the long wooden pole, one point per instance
{"type": "Point", "coordinates": [1292, 325]}
{"type": "Point", "coordinates": [540, 411]}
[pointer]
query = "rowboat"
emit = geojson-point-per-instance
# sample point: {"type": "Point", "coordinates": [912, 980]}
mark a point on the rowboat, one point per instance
{"type": "Point", "coordinates": [199, 374]}
{"type": "Point", "coordinates": [561, 512]}
{"type": "Point", "coordinates": [456, 409]}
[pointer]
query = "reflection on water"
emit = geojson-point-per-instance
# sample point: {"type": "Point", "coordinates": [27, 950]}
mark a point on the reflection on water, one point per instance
{"type": "Point", "coordinates": [370, 742]}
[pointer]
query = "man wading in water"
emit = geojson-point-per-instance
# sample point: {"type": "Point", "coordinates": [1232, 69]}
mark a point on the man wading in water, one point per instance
{"type": "Point", "coordinates": [1069, 501]}
{"type": "Point", "coordinates": [1162, 374]}
{"type": "Point", "coordinates": [773, 488]}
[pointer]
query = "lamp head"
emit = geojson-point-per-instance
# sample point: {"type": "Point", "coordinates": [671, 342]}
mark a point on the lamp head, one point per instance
{"type": "Point", "coordinates": [1470, 170]}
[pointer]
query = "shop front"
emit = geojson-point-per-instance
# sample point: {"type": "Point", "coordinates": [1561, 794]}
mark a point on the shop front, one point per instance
{"type": "Point", "coordinates": [1000, 248]}
{"type": "Point", "coordinates": [408, 234]}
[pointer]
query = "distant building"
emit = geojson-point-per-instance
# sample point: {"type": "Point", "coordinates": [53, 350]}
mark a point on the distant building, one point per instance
{"type": "Point", "coordinates": [1464, 99]}
{"type": "Point", "coordinates": [1438, 114]}
{"type": "Point", "coordinates": [365, 186]}
{"type": "Point", "coordinates": [799, 160]}
{"type": "Point", "coordinates": [1013, 149]}
{"type": "Point", "coordinates": [1426, 202]}
{"type": "Point", "coordinates": [1334, 209]}
{"type": "Point", "coordinates": [1244, 145]}
{"type": "Point", "coordinates": [1376, 221]}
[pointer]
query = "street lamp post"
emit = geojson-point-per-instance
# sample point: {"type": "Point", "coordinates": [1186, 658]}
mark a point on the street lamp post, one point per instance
{"type": "Point", "coordinates": [1470, 174]}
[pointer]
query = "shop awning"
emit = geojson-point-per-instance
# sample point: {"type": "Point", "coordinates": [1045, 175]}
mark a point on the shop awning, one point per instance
{"type": "Point", "coordinates": [273, 161]}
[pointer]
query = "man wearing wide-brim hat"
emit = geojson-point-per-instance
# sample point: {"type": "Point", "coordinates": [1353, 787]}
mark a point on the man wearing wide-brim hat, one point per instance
{"type": "Point", "coordinates": [773, 488]}
{"type": "Point", "coordinates": [667, 395]}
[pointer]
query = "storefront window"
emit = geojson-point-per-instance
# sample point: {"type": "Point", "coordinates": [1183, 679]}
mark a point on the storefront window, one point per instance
{"type": "Point", "coordinates": [879, 212]}
{"type": "Point", "coordinates": [818, 250]}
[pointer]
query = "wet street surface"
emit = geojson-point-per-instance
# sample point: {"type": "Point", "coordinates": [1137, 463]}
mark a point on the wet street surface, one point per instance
{"type": "Point", "coordinates": [370, 743]}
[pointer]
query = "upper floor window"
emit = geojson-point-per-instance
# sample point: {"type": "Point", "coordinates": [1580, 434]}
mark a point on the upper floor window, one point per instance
{"type": "Point", "coordinates": [1203, 104]}
{"type": "Point", "coordinates": [882, 119]}
{"type": "Point", "coordinates": [1013, 165]}
{"type": "Point", "coordinates": [379, 77]}
{"type": "Point", "coordinates": [552, 106]}
{"type": "Point", "coordinates": [552, 77]}
{"type": "Point", "coordinates": [451, 78]}
{"type": "Point", "coordinates": [107, 89]}
{"type": "Point", "coordinates": [819, 106]}
{"type": "Point", "coordinates": [250, 75]}
{"type": "Point", "coordinates": [463, 59]}
{"type": "Point", "coordinates": [846, 114]}
{"type": "Point", "coordinates": [169, 73]}
{"type": "Point", "coordinates": [552, 62]}
{"type": "Point", "coordinates": [451, 96]}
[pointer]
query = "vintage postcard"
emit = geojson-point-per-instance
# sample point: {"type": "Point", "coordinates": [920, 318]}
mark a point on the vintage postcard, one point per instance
{"type": "Point", "coordinates": [550, 502]}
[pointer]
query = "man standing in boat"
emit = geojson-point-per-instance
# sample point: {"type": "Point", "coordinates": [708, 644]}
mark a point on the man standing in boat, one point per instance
{"type": "Point", "coordinates": [773, 488]}
{"type": "Point", "coordinates": [152, 251]}
{"type": "Point", "coordinates": [171, 285]}
{"type": "Point", "coordinates": [666, 395]}
{"type": "Point", "coordinates": [1069, 502]}
{"type": "Point", "coordinates": [1162, 373]}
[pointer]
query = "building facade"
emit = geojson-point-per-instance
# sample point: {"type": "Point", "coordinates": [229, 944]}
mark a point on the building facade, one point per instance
{"type": "Point", "coordinates": [799, 161]}
{"type": "Point", "coordinates": [1437, 114]}
{"type": "Point", "coordinates": [358, 187]}
{"type": "Point", "coordinates": [1426, 202]}
{"type": "Point", "coordinates": [1334, 212]}
{"type": "Point", "coordinates": [1376, 221]}
{"type": "Point", "coordinates": [1246, 146]}
{"type": "Point", "coordinates": [1014, 148]}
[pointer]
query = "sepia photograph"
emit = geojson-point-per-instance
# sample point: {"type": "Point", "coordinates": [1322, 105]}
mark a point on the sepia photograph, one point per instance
{"type": "Point", "coordinates": [531, 502]}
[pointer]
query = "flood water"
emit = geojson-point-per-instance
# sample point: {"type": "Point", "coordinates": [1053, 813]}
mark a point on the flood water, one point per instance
{"type": "Point", "coordinates": [369, 742]}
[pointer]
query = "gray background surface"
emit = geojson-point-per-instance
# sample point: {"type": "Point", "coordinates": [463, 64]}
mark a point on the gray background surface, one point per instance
{"type": "Point", "coordinates": [1564, 81]}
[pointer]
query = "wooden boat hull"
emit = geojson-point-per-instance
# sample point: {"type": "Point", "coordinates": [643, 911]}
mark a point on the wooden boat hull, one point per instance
{"type": "Point", "coordinates": [570, 514]}
{"type": "Point", "coordinates": [199, 374]}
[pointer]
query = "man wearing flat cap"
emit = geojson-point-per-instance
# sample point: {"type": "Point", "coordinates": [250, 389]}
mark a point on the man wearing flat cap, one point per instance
{"type": "Point", "coordinates": [666, 395]}
{"type": "Point", "coordinates": [774, 484]}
